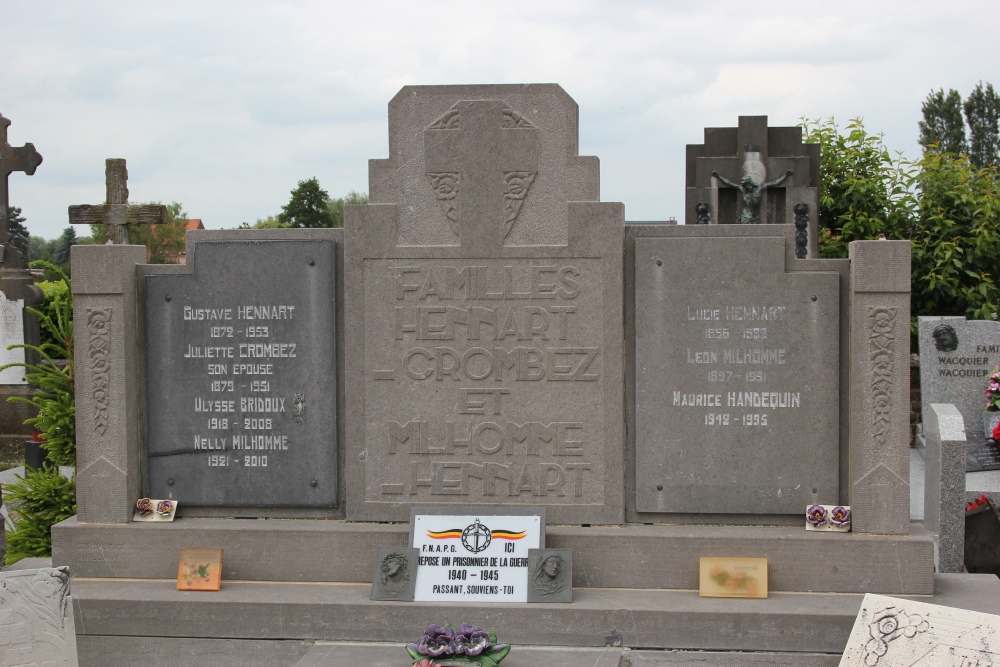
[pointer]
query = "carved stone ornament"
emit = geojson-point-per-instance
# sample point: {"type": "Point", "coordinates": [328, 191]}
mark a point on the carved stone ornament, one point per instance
{"type": "Point", "coordinates": [35, 613]}
{"type": "Point", "coordinates": [550, 575]}
{"type": "Point", "coordinates": [395, 575]}
{"type": "Point", "coordinates": [99, 353]}
{"type": "Point", "coordinates": [446, 185]}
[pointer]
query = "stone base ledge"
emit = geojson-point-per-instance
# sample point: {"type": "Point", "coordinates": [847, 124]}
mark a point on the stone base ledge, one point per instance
{"type": "Point", "coordinates": [634, 556]}
{"type": "Point", "coordinates": [639, 619]}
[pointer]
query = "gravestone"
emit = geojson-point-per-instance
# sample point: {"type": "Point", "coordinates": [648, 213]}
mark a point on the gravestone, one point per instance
{"type": "Point", "coordinates": [241, 377]}
{"type": "Point", "coordinates": [17, 290]}
{"type": "Point", "coordinates": [892, 632]}
{"type": "Point", "coordinates": [762, 153]}
{"type": "Point", "coordinates": [737, 375]}
{"type": "Point", "coordinates": [11, 333]}
{"type": "Point", "coordinates": [36, 618]}
{"type": "Point", "coordinates": [957, 357]}
{"type": "Point", "coordinates": [484, 302]}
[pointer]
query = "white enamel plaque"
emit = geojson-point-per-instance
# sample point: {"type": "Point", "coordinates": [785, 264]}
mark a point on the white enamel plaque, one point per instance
{"type": "Point", "coordinates": [11, 333]}
{"type": "Point", "coordinates": [474, 558]}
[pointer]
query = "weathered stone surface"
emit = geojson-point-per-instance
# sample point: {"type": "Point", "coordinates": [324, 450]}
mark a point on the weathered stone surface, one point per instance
{"type": "Point", "coordinates": [338, 551]}
{"type": "Point", "coordinates": [176, 651]}
{"type": "Point", "coordinates": [484, 312]}
{"type": "Point", "coordinates": [880, 387]}
{"type": "Point", "coordinates": [334, 654]}
{"type": "Point", "coordinates": [117, 213]}
{"type": "Point", "coordinates": [944, 483]}
{"type": "Point", "coordinates": [110, 381]}
{"type": "Point", "coordinates": [241, 394]}
{"type": "Point", "coordinates": [36, 622]}
{"type": "Point", "coordinates": [730, 659]}
{"type": "Point", "coordinates": [957, 357]}
{"type": "Point", "coordinates": [892, 631]}
{"type": "Point", "coordinates": [736, 371]}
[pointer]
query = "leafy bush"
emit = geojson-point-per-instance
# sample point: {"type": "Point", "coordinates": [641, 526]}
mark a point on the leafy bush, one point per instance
{"type": "Point", "coordinates": [44, 497]}
{"type": "Point", "coordinates": [956, 240]}
{"type": "Point", "coordinates": [864, 192]}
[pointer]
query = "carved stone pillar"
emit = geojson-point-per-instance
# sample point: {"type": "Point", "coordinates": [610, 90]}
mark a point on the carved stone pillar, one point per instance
{"type": "Point", "coordinates": [109, 380]}
{"type": "Point", "coordinates": [880, 387]}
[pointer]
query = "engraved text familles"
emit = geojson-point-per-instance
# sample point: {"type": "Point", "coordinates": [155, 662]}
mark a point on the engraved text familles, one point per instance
{"type": "Point", "coordinates": [498, 338]}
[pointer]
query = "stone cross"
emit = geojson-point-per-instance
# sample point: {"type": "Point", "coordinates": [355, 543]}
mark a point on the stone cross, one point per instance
{"type": "Point", "coordinates": [25, 159]}
{"type": "Point", "coordinates": [481, 150]}
{"type": "Point", "coordinates": [117, 213]}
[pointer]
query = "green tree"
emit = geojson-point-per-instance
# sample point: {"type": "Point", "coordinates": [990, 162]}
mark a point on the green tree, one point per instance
{"type": "Point", "coordinates": [982, 111]}
{"type": "Point", "coordinates": [19, 236]}
{"type": "Point", "coordinates": [864, 192]}
{"type": "Point", "coordinates": [956, 239]}
{"type": "Point", "coordinates": [63, 244]}
{"type": "Point", "coordinates": [45, 497]}
{"type": "Point", "coordinates": [942, 127]}
{"type": "Point", "coordinates": [336, 206]}
{"type": "Point", "coordinates": [164, 242]}
{"type": "Point", "coordinates": [40, 248]}
{"type": "Point", "coordinates": [307, 207]}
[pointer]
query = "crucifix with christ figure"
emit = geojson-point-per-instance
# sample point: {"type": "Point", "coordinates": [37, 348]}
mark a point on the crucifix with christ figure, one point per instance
{"type": "Point", "coordinates": [117, 213]}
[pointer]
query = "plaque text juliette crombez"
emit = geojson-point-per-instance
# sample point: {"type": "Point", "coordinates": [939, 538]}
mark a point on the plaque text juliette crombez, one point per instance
{"type": "Point", "coordinates": [241, 381]}
{"type": "Point", "coordinates": [491, 374]}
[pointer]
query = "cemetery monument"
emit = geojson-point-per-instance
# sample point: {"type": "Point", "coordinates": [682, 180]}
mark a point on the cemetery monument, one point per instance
{"type": "Point", "coordinates": [487, 333]}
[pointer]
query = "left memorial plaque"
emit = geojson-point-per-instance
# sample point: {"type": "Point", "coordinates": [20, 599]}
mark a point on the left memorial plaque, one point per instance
{"type": "Point", "coordinates": [241, 378]}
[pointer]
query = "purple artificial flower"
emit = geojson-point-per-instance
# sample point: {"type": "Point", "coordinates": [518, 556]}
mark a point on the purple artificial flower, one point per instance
{"type": "Point", "coordinates": [840, 516]}
{"type": "Point", "coordinates": [816, 515]}
{"type": "Point", "coordinates": [435, 641]}
{"type": "Point", "coordinates": [470, 639]}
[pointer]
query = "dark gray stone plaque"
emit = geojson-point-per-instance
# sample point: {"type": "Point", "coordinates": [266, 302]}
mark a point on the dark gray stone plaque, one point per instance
{"type": "Point", "coordinates": [395, 574]}
{"type": "Point", "coordinates": [241, 377]}
{"type": "Point", "coordinates": [981, 454]}
{"type": "Point", "coordinates": [737, 380]}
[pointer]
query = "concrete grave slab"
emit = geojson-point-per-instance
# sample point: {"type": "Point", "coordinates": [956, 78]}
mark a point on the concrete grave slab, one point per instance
{"type": "Point", "coordinates": [36, 621]}
{"type": "Point", "coordinates": [484, 312]}
{"type": "Point", "coordinates": [892, 631]}
{"type": "Point", "coordinates": [241, 393]}
{"type": "Point", "coordinates": [737, 376]}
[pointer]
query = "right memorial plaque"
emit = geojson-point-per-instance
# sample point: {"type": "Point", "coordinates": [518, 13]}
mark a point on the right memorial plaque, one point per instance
{"type": "Point", "coordinates": [736, 377]}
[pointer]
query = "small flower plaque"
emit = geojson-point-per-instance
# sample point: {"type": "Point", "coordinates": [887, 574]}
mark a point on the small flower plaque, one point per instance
{"type": "Point", "coordinates": [153, 509]}
{"type": "Point", "coordinates": [200, 570]}
{"type": "Point", "coordinates": [829, 518]}
{"type": "Point", "coordinates": [733, 578]}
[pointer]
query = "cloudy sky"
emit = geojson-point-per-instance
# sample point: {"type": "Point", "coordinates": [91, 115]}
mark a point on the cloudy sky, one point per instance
{"type": "Point", "coordinates": [224, 106]}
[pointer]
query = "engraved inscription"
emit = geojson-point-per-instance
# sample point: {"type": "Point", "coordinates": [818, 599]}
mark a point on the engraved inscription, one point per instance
{"type": "Point", "coordinates": [99, 353]}
{"type": "Point", "coordinates": [235, 355]}
{"type": "Point", "coordinates": [492, 385]}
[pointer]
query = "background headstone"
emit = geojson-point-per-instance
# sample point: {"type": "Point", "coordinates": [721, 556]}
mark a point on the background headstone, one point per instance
{"type": "Point", "coordinates": [737, 375]}
{"type": "Point", "coordinates": [36, 618]}
{"type": "Point", "coordinates": [957, 357]}
{"type": "Point", "coordinates": [484, 303]}
{"type": "Point", "coordinates": [944, 484]}
{"type": "Point", "coordinates": [241, 377]}
{"type": "Point", "coordinates": [17, 291]}
{"type": "Point", "coordinates": [764, 153]}
{"type": "Point", "coordinates": [11, 333]}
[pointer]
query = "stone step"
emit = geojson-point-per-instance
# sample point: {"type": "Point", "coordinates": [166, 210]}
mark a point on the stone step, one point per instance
{"type": "Point", "coordinates": [116, 616]}
{"type": "Point", "coordinates": [630, 556]}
